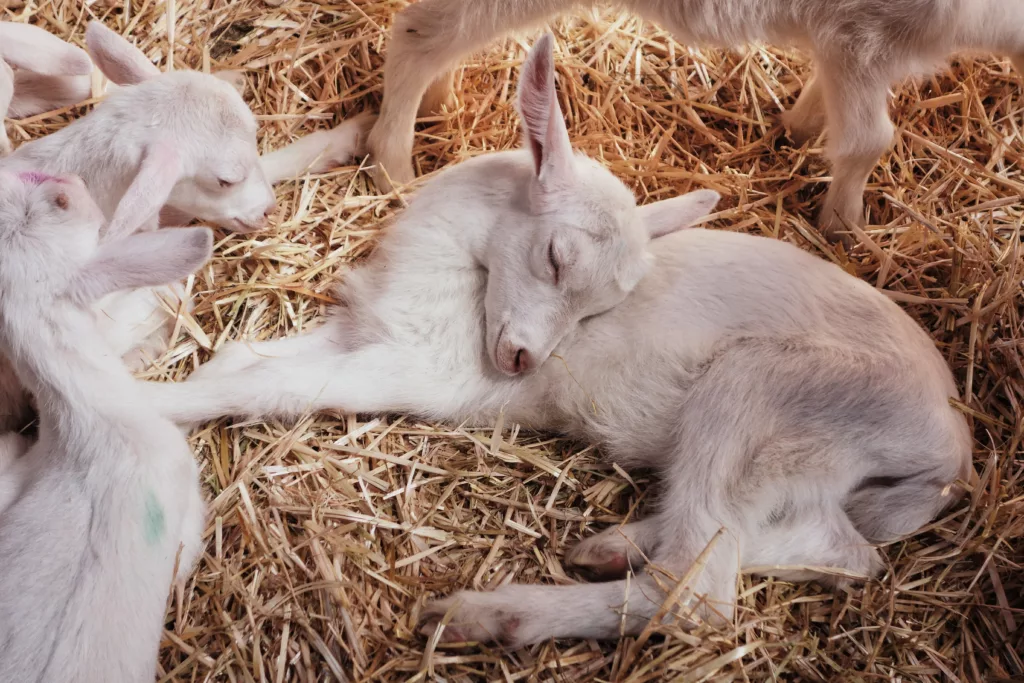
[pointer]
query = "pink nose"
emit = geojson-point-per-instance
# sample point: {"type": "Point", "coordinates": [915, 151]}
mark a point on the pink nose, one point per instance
{"type": "Point", "coordinates": [270, 210]}
{"type": "Point", "coordinates": [513, 359]}
{"type": "Point", "coordinates": [522, 361]}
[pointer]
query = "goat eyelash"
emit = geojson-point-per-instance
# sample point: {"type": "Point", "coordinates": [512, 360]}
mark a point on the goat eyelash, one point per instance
{"type": "Point", "coordinates": [552, 260]}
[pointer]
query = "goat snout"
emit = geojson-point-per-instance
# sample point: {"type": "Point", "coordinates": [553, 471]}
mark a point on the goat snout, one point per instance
{"type": "Point", "coordinates": [512, 358]}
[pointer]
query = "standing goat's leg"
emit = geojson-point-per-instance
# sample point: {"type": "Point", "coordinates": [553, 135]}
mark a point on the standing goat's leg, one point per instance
{"type": "Point", "coordinates": [806, 120]}
{"type": "Point", "coordinates": [428, 38]}
{"type": "Point", "coordinates": [614, 552]}
{"type": "Point", "coordinates": [439, 94]}
{"type": "Point", "coordinates": [860, 131]}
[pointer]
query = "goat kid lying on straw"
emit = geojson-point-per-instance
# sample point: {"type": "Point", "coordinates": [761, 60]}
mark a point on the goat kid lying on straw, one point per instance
{"type": "Point", "coordinates": [783, 401]}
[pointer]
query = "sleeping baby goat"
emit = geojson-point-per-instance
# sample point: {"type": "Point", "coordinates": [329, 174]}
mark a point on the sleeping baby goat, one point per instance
{"type": "Point", "coordinates": [182, 142]}
{"type": "Point", "coordinates": [96, 515]}
{"type": "Point", "coordinates": [783, 401]}
{"type": "Point", "coordinates": [860, 48]}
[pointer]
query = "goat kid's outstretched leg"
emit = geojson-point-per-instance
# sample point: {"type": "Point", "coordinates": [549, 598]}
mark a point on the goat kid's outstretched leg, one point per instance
{"type": "Point", "coordinates": [428, 38]}
{"type": "Point", "coordinates": [860, 131]}
{"type": "Point", "coordinates": [292, 377]}
{"type": "Point", "coordinates": [320, 151]}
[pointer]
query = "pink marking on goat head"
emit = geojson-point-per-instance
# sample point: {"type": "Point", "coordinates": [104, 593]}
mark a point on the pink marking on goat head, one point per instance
{"type": "Point", "coordinates": [36, 178]}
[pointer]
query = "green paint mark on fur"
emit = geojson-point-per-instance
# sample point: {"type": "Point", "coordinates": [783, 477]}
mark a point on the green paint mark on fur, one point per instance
{"type": "Point", "coordinates": [154, 519]}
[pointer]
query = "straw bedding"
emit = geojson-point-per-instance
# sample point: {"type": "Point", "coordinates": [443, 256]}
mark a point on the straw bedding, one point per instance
{"type": "Point", "coordinates": [325, 537]}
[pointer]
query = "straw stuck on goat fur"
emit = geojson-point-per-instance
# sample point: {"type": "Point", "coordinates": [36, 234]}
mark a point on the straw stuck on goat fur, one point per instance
{"type": "Point", "coordinates": [326, 537]}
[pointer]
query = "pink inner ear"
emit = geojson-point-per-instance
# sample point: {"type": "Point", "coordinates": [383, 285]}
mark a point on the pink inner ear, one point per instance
{"type": "Point", "coordinates": [36, 178]}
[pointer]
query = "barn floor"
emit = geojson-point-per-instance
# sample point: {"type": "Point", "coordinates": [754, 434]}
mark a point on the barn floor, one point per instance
{"type": "Point", "coordinates": [326, 537]}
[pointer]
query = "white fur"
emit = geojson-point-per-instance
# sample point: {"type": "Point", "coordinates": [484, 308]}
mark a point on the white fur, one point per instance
{"type": "Point", "coordinates": [97, 514]}
{"type": "Point", "coordinates": [780, 398]}
{"type": "Point", "coordinates": [860, 48]}
{"type": "Point", "coordinates": [50, 73]}
{"type": "Point", "coordinates": [180, 145]}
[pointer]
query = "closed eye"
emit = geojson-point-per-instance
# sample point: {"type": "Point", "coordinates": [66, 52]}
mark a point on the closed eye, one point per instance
{"type": "Point", "coordinates": [553, 260]}
{"type": "Point", "coordinates": [225, 183]}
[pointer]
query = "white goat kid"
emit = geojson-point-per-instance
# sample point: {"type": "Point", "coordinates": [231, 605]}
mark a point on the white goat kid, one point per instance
{"type": "Point", "coordinates": [860, 48]}
{"type": "Point", "coordinates": [781, 398]}
{"type": "Point", "coordinates": [97, 514]}
{"type": "Point", "coordinates": [50, 73]}
{"type": "Point", "coordinates": [182, 143]}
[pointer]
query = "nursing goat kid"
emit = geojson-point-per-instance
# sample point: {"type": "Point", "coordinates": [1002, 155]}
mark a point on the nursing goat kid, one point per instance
{"type": "Point", "coordinates": [182, 144]}
{"type": "Point", "coordinates": [860, 48]}
{"type": "Point", "coordinates": [96, 516]}
{"type": "Point", "coordinates": [781, 399]}
{"type": "Point", "coordinates": [50, 73]}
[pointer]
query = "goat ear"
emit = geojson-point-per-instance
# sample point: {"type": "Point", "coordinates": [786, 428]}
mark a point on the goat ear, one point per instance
{"type": "Point", "coordinates": [119, 60]}
{"type": "Point", "coordinates": [159, 172]}
{"type": "Point", "coordinates": [671, 215]}
{"type": "Point", "coordinates": [544, 127]}
{"type": "Point", "coordinates": [33, 49]}
{"type": "Point", "coordinates": [147, 259]}
{"type": "Point", "coordinates": [35, 93]}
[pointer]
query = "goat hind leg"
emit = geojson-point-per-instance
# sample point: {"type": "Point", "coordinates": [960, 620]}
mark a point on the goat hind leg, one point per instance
{"type": "Point", "coordinates": [614, 552]}
{"type": "Point", "coordinates": [805, 121]}
{"type": "Point", "coordinates": [519, 615]}
{"type": "Point", "coordinates": [439, 95]}
{"type": "Point", "coordinates": [820, 538]}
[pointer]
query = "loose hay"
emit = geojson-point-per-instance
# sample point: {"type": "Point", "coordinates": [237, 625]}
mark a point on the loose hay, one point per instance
{"type": "Point", "coordinates": [326, 537]}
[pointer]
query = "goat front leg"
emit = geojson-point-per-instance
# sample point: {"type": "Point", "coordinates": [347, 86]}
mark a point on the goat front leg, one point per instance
{"type": "Point", "coordinates": [288, 378]}
{"type": "Point", "coordinates": [429, 38]}
{"type": "Point", "coordinates": [318, 152]}
{"type": "Point", "coordinates": [860, 131]}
